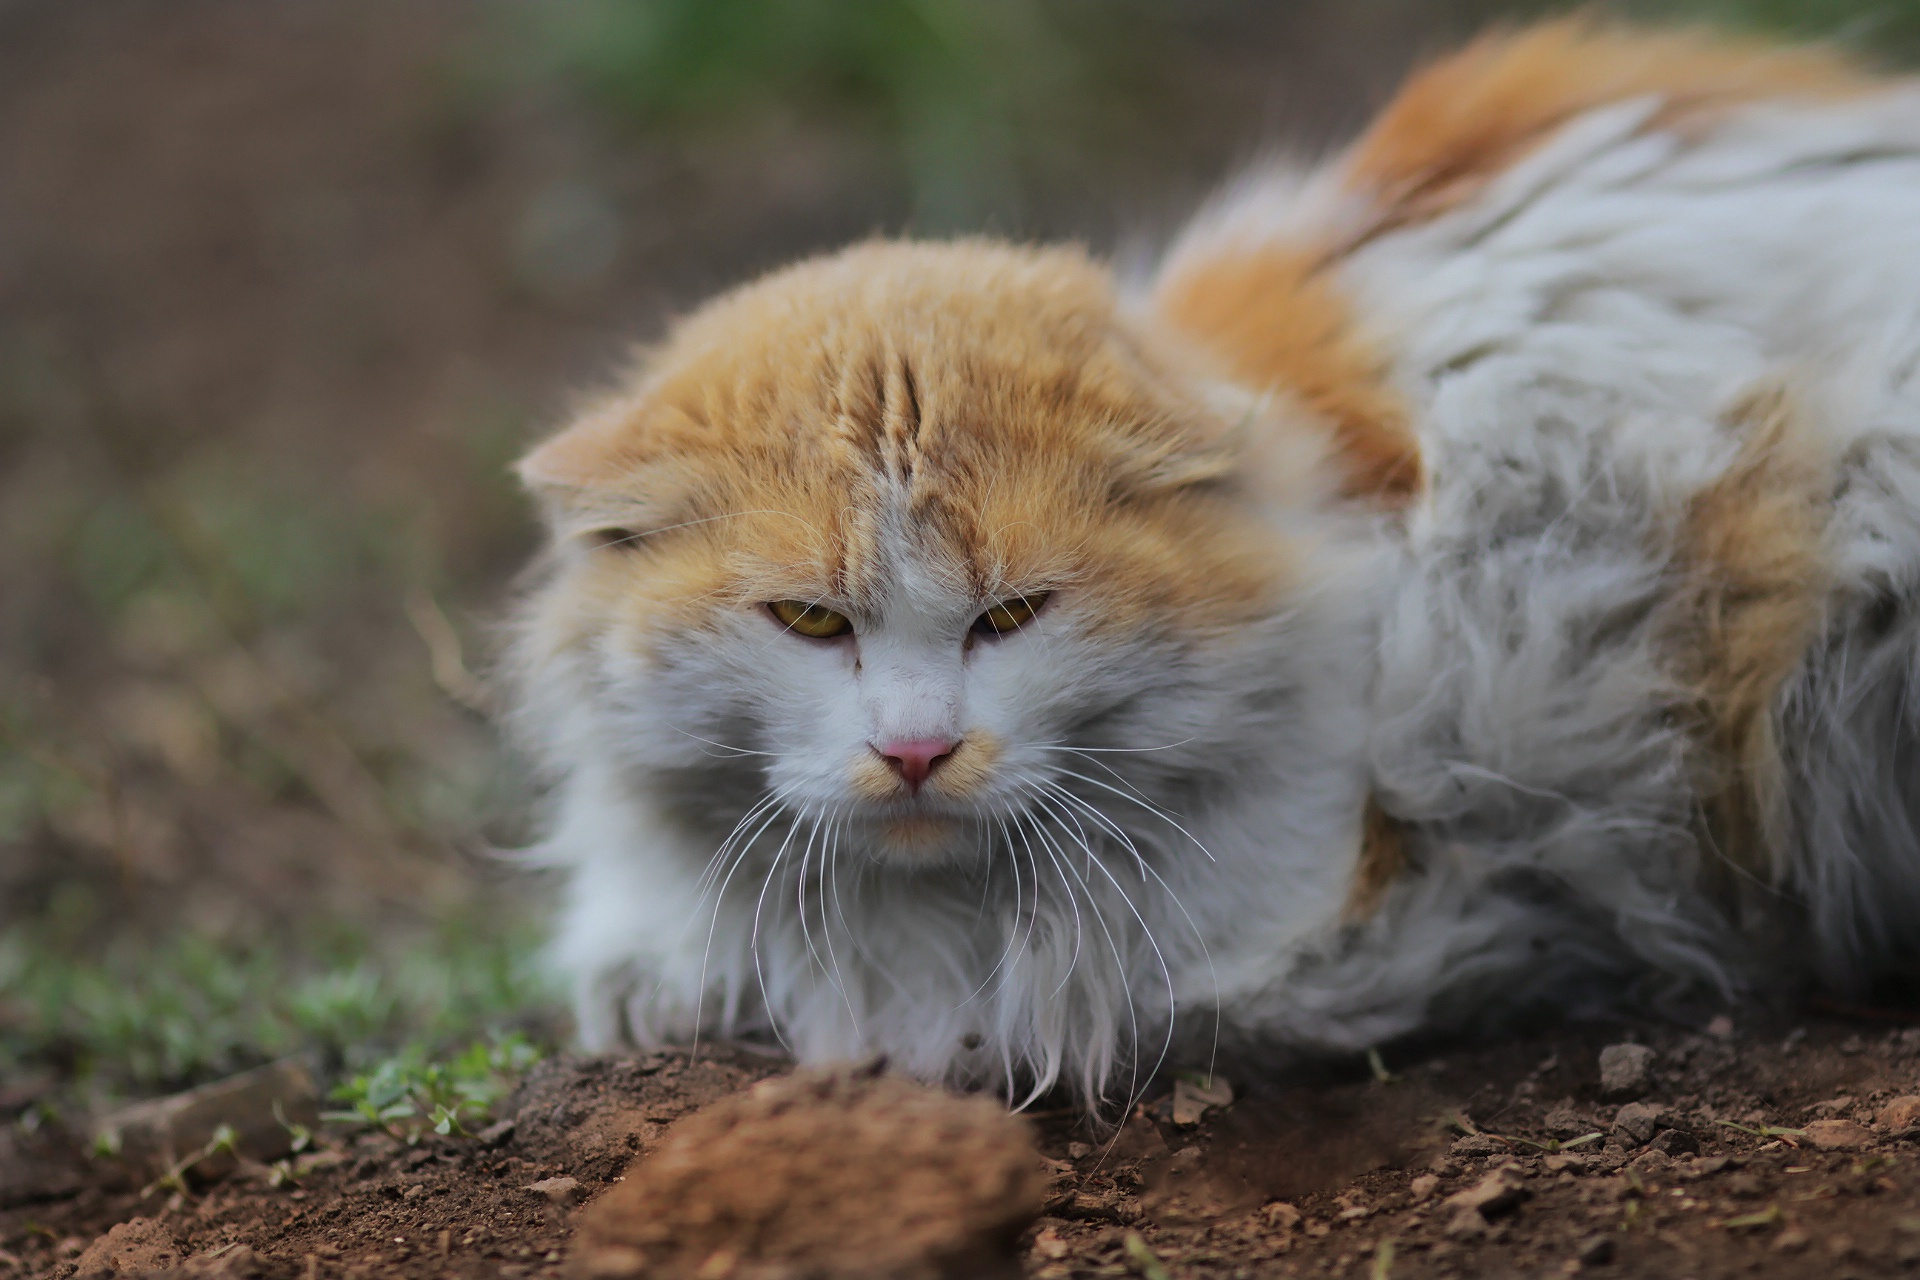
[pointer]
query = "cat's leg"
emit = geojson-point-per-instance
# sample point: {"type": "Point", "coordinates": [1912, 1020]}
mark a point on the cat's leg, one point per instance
{"type": "Point", "coordinates": [648, 960]}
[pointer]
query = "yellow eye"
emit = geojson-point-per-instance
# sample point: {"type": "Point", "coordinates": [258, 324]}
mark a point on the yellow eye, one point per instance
{"type": "Point", "coordinates": [1009, 615]}
{"type": "Point", "coordinates": [816, 622]}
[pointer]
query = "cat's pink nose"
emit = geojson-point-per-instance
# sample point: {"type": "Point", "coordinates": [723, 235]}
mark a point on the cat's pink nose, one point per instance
{"type": "Point", "coordinates": [914, 758]}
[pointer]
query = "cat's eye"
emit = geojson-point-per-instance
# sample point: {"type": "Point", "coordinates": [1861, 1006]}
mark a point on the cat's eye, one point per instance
{"type": "Point", "coordinates": [1009, 615]}
{"type": "Point", "coordinates": [815, 621]}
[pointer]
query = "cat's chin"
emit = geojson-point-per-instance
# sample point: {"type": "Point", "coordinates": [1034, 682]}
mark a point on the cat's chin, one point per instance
{"type": "Point", "coordinates": [921, 839]}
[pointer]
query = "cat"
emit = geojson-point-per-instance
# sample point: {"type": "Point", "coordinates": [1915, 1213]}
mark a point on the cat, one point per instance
{"type": "Point", "coordinates": [1478, 572]}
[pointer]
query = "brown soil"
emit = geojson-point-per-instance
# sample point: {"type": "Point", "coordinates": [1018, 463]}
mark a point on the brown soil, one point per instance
{"type": "Point", "coordinates": [1296, 1177]}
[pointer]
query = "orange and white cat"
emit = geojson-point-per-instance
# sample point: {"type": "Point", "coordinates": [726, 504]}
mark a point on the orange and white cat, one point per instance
{"type": "Point", "coordinates": [1480, 570]}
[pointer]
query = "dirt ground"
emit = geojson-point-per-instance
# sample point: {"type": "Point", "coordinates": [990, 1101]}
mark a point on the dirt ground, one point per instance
{"type": "Point", "coordinates": [1775, 1150]}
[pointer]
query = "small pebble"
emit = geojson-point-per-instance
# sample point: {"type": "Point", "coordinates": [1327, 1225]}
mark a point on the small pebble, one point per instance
{"type": "Point", "coordinates": [1500, 1190]}
{"type": "Point", "coordinates": [1837, 1135]}
{"type": "Point", "coordinates": [1625, 1070]}
{"type": "Point", "coordinates": [1635, 1123]}
{"type": "Point", "coordinates": [1901, 1113]}
{"type": "Point", "coordinates": [561, 1191]}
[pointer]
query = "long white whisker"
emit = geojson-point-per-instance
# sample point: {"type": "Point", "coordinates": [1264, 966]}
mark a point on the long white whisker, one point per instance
{"type": "Point", "coordinates": [1199, 935]}
{"type": "Point", "coordinates": [1073, 962]}
{"type": "Point", "coordinates": [1154, 809]}
{"type": "Point", "coordinates": [831, 892]}
{"type": "Point", "coordinates": [770, 806]}
{"type": "Point", "coordinates": [1115, 751]}
{"type": "Point", "coordinates": [1146, 932]}
{"type": "Point", "coordinates": [1007, 951]}
{"type": "Point", "coordinates": [1113, 946]}
{"type": "Point", "coordinates": [800, 897]}
{"type": "Point", "coordinates": [753, 945]}
{"type": "Point", "coordinates": [724, 746]}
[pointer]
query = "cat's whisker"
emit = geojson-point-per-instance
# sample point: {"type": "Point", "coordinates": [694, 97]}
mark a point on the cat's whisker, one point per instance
{"type": "Point", "coordinates": [770, 801]}
{"type": "Point", "coordinates": [1113, 946]}
{"type": "Point", "coordinates": [724, 746]}
{"type": "Point", "coordinates": [730, 1008]}
{"type": "Point", "coordinates": [1148, 805]}
{"type": "Point", "coordinates": [1052, 788]}
{"type": "Point", "coordinates": [1166, 975]}
{"type": "Point", "coordinates": [1199, 936]}
{"type": "Point", "coordinates": [753, 938]}
{"type": "Point", "coordinates": [800, 898]}
{"type": "Point", "coordinates": [1006, 952]}
{"type": "Point", "coordinates": [830, 892]}
{"type": "Point", "coordinates": [1116, 751]}
{"type": "Point", "coordinates": [1073, 961]}
{"type": "Point", "coordinates": [1048, 788]}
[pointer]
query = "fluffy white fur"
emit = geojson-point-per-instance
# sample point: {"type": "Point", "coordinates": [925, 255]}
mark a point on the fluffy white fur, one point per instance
{"type": "Point", "coordinates": [1168, 848]}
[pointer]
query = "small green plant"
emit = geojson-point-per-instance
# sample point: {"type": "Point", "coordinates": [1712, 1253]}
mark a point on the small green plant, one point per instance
{"type": "Point", "coordinates": [1378, 1065]}
{"type": "Point", "coordinates": [1762, 1131]}
{"type": "Point", "coordinates": [1751, 1221]}
{"type": "Point", "coordinates": [1141, 1254]}
{"type": "Point", "coordinates": [223, 1142]}
{"type": "Point", "coordinates": [407, 1095]}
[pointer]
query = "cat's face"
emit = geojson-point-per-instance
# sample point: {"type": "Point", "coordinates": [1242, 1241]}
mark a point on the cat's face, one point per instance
{"type": "Point", "coordinates": [877, 539]}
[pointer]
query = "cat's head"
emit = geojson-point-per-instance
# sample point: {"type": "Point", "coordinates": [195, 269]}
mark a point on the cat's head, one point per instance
{"type": "Point", "coordinates": [884, 534]}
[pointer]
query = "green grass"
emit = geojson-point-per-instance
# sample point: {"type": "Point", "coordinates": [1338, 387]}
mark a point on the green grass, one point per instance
{"type": "Point", "coordinates": [971, 99]}
{"type": "Point", "coordinates": [409, 1094]}
{"type": "Point", "coordinates": [976, 102]}
{"type": "Point", "coordinates": [1885, 31]}
{"type": "Point", "coordinates": [145, 1019]}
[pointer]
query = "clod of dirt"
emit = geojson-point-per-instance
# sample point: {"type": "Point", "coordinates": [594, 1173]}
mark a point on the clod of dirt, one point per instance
{"type": "Point", "coordinates": [1499, 1191]}
{"type": "Point", "coordinates": [133, 1247]}
{"type": "Point", "coordinates": [1625, 1071]}
{"type": "Point", "coordinates": [823, 1175]}
{"type": "Point", "coordinates": [1635, 1123]}
{"type": "Point", "coordinates": [1837, 1135]}
{"type": "Point", "coordinates": [1676, 1143]}
{"type": "Point", "coordinates": [1566, 1122]}
{"type": "Point", "coordinates": [1901, 1113]}
{"type": "Point", "coordinates": [257, 1106]}
{"type": "Point", "coordinates": [561, 1191]}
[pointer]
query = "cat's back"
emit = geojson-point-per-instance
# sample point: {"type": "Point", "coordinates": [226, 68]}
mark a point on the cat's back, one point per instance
{"type": "Point", "coordinates": [1621, 330]}
{"type": "Point", "coordinates": [1650, 223]}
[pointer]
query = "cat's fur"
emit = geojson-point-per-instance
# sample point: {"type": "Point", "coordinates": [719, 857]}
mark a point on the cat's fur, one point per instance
{"type": "Point", "coordinates": [1483, 569]}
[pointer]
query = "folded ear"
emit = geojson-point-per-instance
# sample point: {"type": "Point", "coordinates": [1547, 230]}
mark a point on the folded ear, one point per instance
{"type": "Point", "coordinates": [603, 478]}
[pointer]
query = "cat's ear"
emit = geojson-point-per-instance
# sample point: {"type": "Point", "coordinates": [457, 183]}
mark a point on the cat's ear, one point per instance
{"type": "Point", "coordinates": [604, 478]}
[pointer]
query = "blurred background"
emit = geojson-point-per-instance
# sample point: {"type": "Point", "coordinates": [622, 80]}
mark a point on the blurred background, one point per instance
{"type": "Point", "coordinates": [285, 286]}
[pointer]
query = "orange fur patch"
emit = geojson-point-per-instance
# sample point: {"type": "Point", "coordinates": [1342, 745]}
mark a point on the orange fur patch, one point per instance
{"type": "Point", "coordinates": [1277, 319]}
{"type": "Point", "coordinates": [1471, 115]}
{"type": "Point", "coordinates": [1274, 313]}
{"type": "Point", "coordinates": [985, 404]}
{"type": "Point", "coordinates": [1383, 860]}
{"type": "Point", "coordinates": [1756, 580]}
